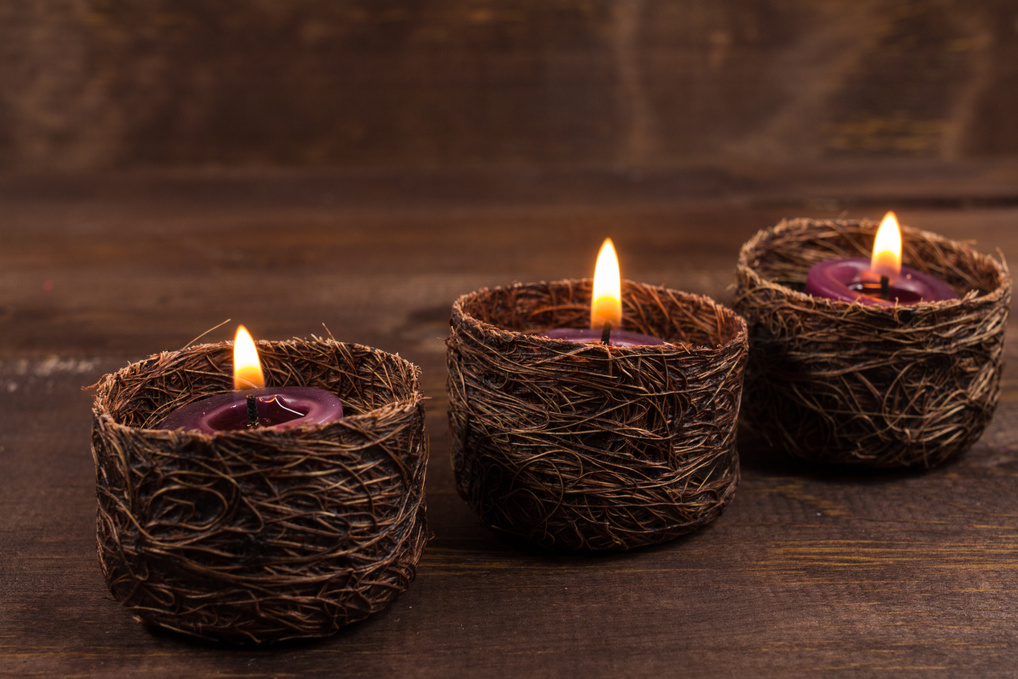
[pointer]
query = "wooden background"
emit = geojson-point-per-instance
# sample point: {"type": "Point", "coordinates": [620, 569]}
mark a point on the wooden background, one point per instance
{"type": "Point", "coordinates": [90, 84]}
{"type": "Point", "coordinates": [165, 166]}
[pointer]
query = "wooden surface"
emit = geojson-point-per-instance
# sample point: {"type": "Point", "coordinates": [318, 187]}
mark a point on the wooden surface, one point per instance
{"type": "Point", "coordinates": [393, 83]}
{"type": "Point", "coordinates": [808, 572]}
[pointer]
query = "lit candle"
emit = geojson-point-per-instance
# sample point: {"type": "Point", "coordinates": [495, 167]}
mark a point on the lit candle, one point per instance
{"type": "Point", "coordinates": [251, 405]}
{"type": "Point", "coordinates": [605, 308]}
{"type": "Point", "coordinates": [880, 280]}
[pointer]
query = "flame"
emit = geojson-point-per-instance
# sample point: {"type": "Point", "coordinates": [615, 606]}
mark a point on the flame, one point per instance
{"type": "Point", "coordinates": [886, 259]}
{"type": "Point", "coordinates": [606, 305]}
{"type": "Point", "coordinates": [247, 369]}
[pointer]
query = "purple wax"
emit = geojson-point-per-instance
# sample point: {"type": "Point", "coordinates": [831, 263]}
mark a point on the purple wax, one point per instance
{"type": "Point", "coordinates": [278, 408]}
{"type": "Point", "coordinates": [851, 280]}
{"type": "Point", "coordinates": [618, 338]}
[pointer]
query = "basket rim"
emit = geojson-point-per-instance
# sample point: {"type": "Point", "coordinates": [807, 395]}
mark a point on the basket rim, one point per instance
{"type": "Point", "coordinates": [757, 279]}
{"type": "Point", "coordinates": [740, 336]}
{"type": "Point", "coordinates": [391, 408]}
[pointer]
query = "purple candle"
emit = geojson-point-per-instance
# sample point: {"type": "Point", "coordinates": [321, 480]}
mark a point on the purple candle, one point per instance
{"type": "Point", "coordinates": [880, 280]}
{"type": "Point", "coordinates": [275, 408]}
{"type": "Point", "coordinates": [605, 308]}
{"type": "Point", "coordinates": [616, 338]}
{"type": "Point", "coordinates": [253, 406]}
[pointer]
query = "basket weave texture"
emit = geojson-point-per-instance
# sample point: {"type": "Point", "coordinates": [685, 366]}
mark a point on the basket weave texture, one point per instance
{"type": "Point", "coordinates": [590, 447]}
{"type": "Point", "coordinates": [259, 535]}
{"type": "Point", "coordinates": [879, 386]}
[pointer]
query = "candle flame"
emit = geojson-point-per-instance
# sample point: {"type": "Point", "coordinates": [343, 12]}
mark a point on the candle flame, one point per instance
{"type": "Point", "coordinates": [247, 369]}
{"type": "Point", "coordinates": [606, 303]}
{"type": "Point", "coordinates": [886, 259]}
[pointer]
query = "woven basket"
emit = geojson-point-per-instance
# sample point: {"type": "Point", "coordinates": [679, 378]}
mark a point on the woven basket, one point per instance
{"type": "Point", "coordinates": [881, 386]}
{"type": "Point", "coordinates": [586, 446]}
{"type": "Point", "coordinates": [259, 535]}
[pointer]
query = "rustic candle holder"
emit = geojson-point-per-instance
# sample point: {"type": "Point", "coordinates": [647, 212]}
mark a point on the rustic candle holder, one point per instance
{"type": "Point", "coordinates": [880, 386]}
{"type": "Point", "coordinates": [586, 446]}
{"type": "Point", "coordinates": [261, 535]}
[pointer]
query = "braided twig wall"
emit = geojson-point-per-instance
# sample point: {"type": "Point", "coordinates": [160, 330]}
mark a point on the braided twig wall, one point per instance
{"type": "Point", "coordinates": [261, 535]}
{"type": "Point", "coordinates": [879, 386]}
{"type": "Point", "coordinates": [585, 446]}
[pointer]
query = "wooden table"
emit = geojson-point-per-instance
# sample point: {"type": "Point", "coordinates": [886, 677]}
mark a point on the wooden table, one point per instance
{"type": "Point", "coordinates": [806, 572]}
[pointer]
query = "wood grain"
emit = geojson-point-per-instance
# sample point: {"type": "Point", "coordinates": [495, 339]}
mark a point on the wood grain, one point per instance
{"type": "Point", "coordinates": [807, 572]}
{"type": "Point", "coordinates": [129, 83]}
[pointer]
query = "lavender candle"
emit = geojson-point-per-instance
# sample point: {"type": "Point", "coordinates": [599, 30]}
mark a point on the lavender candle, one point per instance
{"type": "Point", "coordinates": [605, 308]}
{"type": "Point", "coordinates": [880, 280]}
{"type": "Point", "coordinates": [251, 405]}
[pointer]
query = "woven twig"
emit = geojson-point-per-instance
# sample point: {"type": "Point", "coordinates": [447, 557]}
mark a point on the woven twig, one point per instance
{"type": "Point", "coordinates": [261, 535]}
{"type": "Point", "coordinates": [590, 447]}
{"type": "Point", "coordinates": [872, 385]}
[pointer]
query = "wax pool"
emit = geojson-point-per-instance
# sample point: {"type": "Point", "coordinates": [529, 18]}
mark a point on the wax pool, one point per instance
{"type": "Point", "coordinates": [618, 338]}
{"type": "Point", "coordinates": [851, 280]}
{"type": "Point", "coordinates": [277, 408]}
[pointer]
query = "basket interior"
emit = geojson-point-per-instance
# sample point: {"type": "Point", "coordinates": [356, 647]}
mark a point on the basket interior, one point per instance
{"type": "Point", "coordinates": [673, 316]}
{"type": "Point", "coordinates": [784, 254]}
{"type": "Point", "coordinates": [365, 379]}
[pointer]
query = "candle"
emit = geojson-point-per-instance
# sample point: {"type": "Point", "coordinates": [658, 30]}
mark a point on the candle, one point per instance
{"type": "Point", "coordinates": [880, 280]}
{"type": "Point", "coordinates": [605, 308]}
{"type": "Point", "coordinates": [251, 405]}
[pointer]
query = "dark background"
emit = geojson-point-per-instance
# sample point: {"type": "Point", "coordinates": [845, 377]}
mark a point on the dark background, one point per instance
{"type": "Point", "coordinates": [95, 84]}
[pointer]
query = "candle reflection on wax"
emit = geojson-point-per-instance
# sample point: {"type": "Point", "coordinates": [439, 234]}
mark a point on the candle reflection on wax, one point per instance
{"type": "Point", "coordinates": [251, 405]}
{"type": "Point", "coordinates": [605, 308]}
{"type": "Point", "coordinates": [880, 280]}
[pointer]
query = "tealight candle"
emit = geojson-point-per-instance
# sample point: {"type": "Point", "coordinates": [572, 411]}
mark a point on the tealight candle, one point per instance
{"type": "Point", "coordinates": [252, 405]}
{"type": "Point", "coordinates": [880, 280]}
{"type": "Point", "coordinates": [605, 308]}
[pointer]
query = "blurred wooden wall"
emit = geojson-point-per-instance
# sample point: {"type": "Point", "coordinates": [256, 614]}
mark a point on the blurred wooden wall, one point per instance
{"type": "Point", "coordinates": [88, 84]}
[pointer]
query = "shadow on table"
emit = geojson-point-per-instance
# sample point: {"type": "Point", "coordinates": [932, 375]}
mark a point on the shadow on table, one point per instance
{"type": "Point", "coordinates": [757, 457]}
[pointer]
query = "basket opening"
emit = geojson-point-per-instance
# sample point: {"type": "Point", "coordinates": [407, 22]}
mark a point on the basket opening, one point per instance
{"type": "Point", "coordinates": [673, 316]}
{"type": "Point", "coordinates": [142, 394]}
{"type": "Point", "coordinates": [784, 255]}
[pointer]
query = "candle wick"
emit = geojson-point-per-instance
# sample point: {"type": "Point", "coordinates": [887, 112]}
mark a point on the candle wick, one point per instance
{"type": "Point", "coordinates": [885, 287]}
{"type": "Point", "coordinates": [282, 404]}
{"type": "Point", "coordinates": [252, 411]}
{"type": "Point", "coordinates": [606, 333]}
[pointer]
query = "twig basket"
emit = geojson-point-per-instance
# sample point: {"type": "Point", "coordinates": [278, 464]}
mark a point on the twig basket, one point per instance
{"type": "Point", "coordinates": [880, 386]}
{"type": "Point", "coordinates": [260, 535]}
{"type": "Point", "coordinates": [586, 446]}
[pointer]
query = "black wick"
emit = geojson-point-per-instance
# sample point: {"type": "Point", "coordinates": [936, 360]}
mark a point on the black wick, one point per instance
{"type": "Point", "coordinates": [885, 287]}
{"type": "Point", "coordinates": [252, 411]}
{"type": "Point", "coordinates": [606, 333]}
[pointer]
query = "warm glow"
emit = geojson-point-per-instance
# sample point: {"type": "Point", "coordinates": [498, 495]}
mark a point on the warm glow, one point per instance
{"type": "Point", "coordinates": [606, 304]}
{"type": "Point", "coordinates": [887, 248]}
{"type": "Point", "coordinates": [247, 369]}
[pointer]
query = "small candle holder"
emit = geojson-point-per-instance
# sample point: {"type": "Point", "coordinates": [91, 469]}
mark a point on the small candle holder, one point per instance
{"type": "Point", "coordinates": [260, 535]}
{"type": "Point", "coordinates": [878, 386]}
{"type": "Point", "coordinates": [588, 446]}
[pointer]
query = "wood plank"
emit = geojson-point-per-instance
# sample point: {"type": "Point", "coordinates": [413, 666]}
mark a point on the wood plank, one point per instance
{"type": "Point", "coordinates": [92, 84]}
